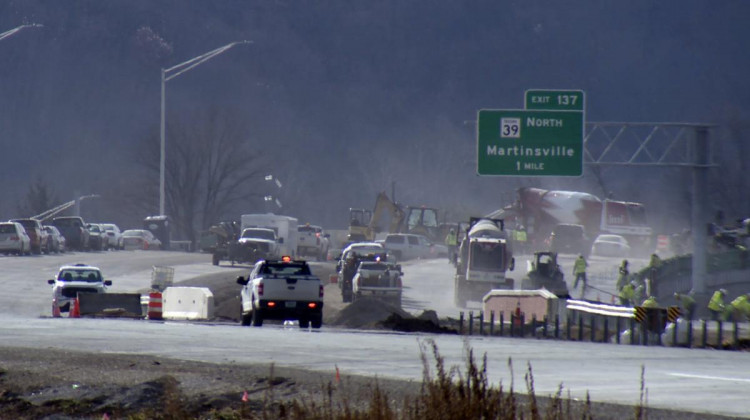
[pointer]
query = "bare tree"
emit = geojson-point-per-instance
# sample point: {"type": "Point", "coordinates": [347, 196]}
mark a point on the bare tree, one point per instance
{"type": "Point", "coordinates": [39, 198]}
{"type": "Point", "coordinates": [212, 169]}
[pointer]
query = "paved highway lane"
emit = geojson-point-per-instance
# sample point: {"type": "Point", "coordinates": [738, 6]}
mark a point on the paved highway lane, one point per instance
{"type": "Point", "coordinates": [23, 280]}
{"type": "Point", "coordinates": [695, 380]}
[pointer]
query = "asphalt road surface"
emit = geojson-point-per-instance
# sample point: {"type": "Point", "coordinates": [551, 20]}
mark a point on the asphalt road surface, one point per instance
{"type": "Point", "coordinates": [694, 380]}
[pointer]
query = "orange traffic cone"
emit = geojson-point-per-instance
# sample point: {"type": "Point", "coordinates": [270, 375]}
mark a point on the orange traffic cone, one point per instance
{"type": "Point", "coordinates": [76, 311]}
{"type": "Point", "coordinates": [55, 309]}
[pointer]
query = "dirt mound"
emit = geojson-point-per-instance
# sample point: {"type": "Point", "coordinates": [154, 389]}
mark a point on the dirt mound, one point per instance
{"type": "Point", "coordinates": [376, 314]}
{"type": "Point", "coordinates": [366, 313]}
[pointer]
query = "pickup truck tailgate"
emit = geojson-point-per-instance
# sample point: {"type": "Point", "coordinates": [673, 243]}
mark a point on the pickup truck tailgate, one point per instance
{"type": "Point", "coordinates": [300, 288]}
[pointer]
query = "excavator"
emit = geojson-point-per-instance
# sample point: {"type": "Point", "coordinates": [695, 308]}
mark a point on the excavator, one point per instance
{"type": "Point", "coordinates": [388, 216]}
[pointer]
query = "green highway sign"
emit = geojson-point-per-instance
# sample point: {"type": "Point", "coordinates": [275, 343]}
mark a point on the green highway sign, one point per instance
{"type": "Point", "coordinates": [555, 100]}
{"type": "Point", "coordinates": [530, 142]}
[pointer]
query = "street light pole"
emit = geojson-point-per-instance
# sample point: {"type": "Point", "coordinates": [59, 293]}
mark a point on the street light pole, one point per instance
{"type": "Point", "coordinates": [165, 77]}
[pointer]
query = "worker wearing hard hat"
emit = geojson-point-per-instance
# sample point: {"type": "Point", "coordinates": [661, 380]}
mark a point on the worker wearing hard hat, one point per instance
{"type": "Point", "coordinates": [579, 270]}
{"type": "Point", "coordinates": [741, 307]}
{"type": "Point", "coordinates": [650, 303]}
{"type": "Point", "coordinates": [716, 305]}
{"type": "Point", "coordinates": [687, 303]}
{"type": "Point", "coordinates": [451, 241]}
{"type": "Point", "coordinates": [627, 293]}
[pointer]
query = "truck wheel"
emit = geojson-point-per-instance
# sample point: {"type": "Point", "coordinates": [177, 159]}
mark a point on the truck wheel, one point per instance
{"type": "Point", "coordinates": [317, 321]}
{"type": "Point", "coordinates": [256, 318]}
{"type": "Point", "coordinates": [304, 323]}
{"type": "Point", "coordinates": [245, 319]}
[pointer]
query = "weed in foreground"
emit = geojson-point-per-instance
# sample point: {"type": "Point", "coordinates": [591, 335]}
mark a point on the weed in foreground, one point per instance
{"type": "Point", "coordinates": [445, 393]}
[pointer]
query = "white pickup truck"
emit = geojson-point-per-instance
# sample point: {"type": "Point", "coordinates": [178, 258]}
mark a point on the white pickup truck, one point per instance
{"type": "Point", "coordinates": [312, 241]}
{"type": "Point", "coordinates": [282, 289]}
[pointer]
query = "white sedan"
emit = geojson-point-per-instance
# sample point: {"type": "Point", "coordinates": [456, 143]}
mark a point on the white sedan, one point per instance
{"type": "Point", "coordinates": [139, 239]}
{"type": "Point", "coordinates": [610, 246]}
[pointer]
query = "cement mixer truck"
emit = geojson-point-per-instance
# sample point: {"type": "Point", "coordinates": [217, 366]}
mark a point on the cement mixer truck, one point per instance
{"type": "Point", "coordinates": [540, 211]}
{"type": "Point", "coordinates": [484, 257]}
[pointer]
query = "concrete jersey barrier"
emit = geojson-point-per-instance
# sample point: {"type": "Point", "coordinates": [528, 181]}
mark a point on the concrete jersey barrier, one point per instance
{"type": "Point", "coordinates": [110, 304]}
{"type": "Point", "coordinates": [187, 303]}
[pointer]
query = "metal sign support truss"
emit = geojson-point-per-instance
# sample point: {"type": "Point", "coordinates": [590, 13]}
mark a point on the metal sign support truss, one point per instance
{"type": "Point", "coordinates": [660, 145]}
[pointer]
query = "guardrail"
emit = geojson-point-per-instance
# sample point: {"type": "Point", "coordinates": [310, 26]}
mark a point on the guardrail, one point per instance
{"type": "Point", "coordinates": [602, 323]}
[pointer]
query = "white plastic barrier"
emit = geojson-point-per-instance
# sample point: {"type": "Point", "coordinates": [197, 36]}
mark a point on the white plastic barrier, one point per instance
{"type": "Point", "coordinates": [191, 303]}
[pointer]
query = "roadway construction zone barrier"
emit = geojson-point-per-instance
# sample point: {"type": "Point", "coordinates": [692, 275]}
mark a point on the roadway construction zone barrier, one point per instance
{"type": "Point", "coordinates": [127, 305]}
{"type": "Point", "coordinates": [55, 309]}
{"type": "Point", "coordinates": [187, 303]}
{"type": "Point", "coordinates": [75, 312]}
{"type": "Point", "coordinates": [155, 306]}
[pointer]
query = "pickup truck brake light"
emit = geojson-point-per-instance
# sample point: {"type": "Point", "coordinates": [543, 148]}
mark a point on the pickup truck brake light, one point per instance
{"type": "Point", "coordinates": [271, 304]}
{"type": "Point", "coordinates": [312, 305]}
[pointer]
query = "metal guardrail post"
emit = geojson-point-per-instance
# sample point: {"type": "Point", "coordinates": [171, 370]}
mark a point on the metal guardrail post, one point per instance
{"type": "Point", "coordinates": [704, 340]}
{"type": "Point", "coordinates": [580, 328]}
{"type": "Point", "coordinates": [481, 323]}
{"type": "Point", "coordinates": [471, 322]}
{"type": "Point", "coordinates": [567, 326]}
{"type": "Point", "coordinates": [593, 328]}
{"type": "Point", "coordinates": [492, 323]}
{"type": "Point", "coordinates": [690, 333]}
{"type": "Point", "coordinates": [502, 323]}
{"type": "Point", "coordinates": [617, 326]}
{"type": "Point", "coordinates": [605, 336]}
{"type": "Point", "coordinates": [718, 337]}
{"type": "Point", "coordinates": [461, 323]}
{"type": "Point", "coordinates": [557, 326]}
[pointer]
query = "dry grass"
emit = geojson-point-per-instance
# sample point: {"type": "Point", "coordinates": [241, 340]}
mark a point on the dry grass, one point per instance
{"type": "Point", "coordinates": [446, 393]}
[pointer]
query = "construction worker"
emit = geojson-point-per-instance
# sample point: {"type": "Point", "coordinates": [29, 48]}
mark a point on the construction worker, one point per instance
{"type": "Point", "coordinates": [741, 308]}
{"type": "Point", "coordinates": [579, 270]}
{"type": "Point", "coordinates": [650, 303]}
{"type": "Point", "coordinates": [687, 303]}
{"type": "Point", "coordinates": [451, 241]}
{"type": "Point", "coordinates": [622, 275]}
{"type": "Point", "coordinates": [521, 238]}
{"type": "Point", "coordinates": [627, 293]}
{"type": "Point", "coordinates": [653, 265]}
{"type": "Point", "coordinates": [716, 305]}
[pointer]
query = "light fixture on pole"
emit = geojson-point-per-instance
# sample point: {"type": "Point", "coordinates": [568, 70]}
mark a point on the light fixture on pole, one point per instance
{"type": "Point", "coordinates": [167, 75]}
{"type": "Point", "coordinates": [14, 31]}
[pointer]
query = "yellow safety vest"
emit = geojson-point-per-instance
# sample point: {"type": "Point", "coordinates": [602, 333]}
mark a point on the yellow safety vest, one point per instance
{"type": "Point", "coordinates": [580, 266]}
{"type": "Point", "coordinates": [717, 302]}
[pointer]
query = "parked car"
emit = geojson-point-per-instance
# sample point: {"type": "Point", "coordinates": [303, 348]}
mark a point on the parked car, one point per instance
{"type": "Point", "coordinates": [39, 238]}
{"type": "Point", "coordinates": [139, 239]}
{"type": "Point", "coordinates": [97, 237]}
{"type": "Point", "coordinates": [56, 240]}
{"type": "Point", "coordinates": [72, 280]}
{"type": "Point", "coordinates": [405, 246]}
{"type": "Point", "coordinates": [14, 239]}
{"type": "Point", "coordinates": [569, 239]}
{"type": "Point", "coordinates": [74, 230]}
{"type": "Point", "coordinates": [610, 246]}
{"type": "Point", "coordinates": [114, 236]}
